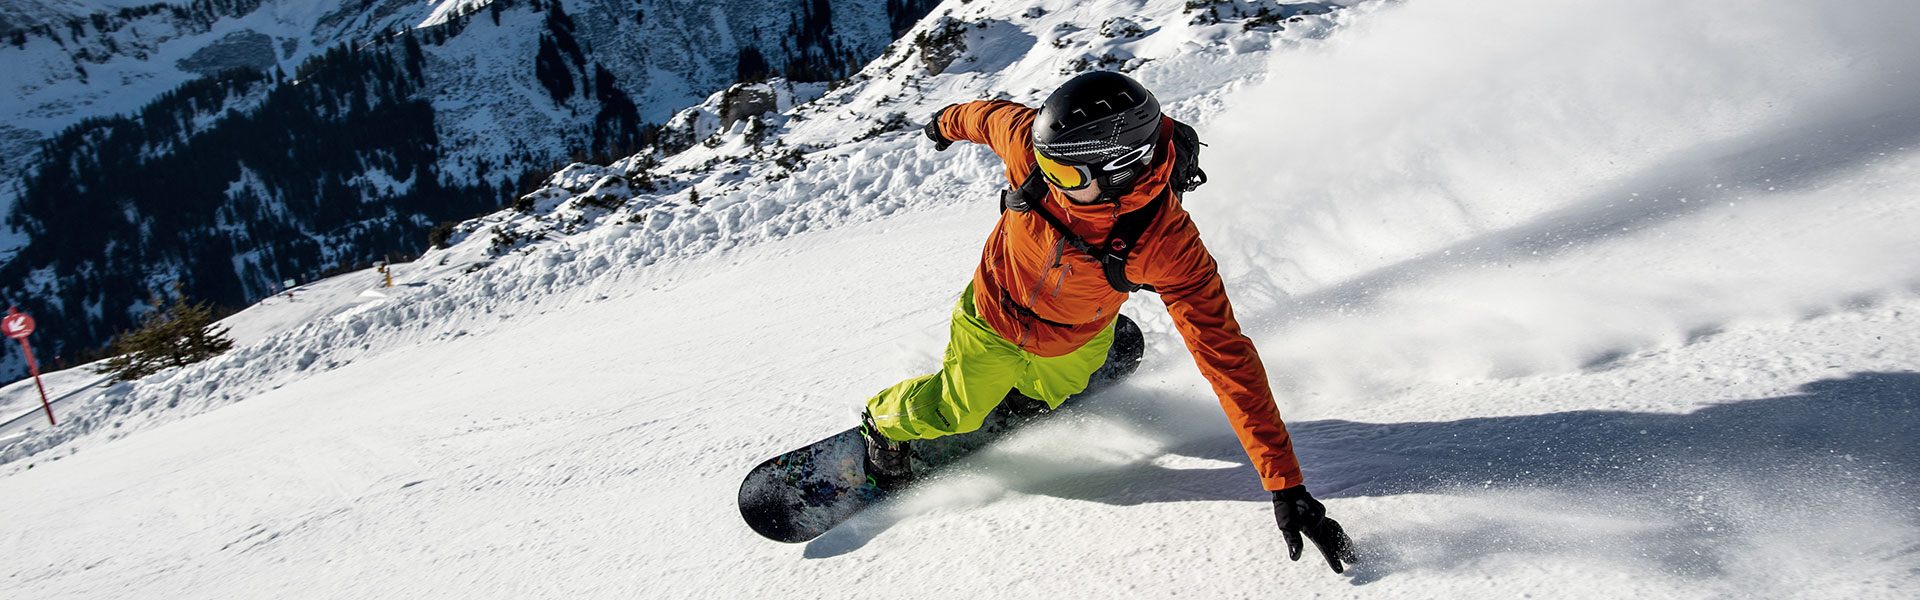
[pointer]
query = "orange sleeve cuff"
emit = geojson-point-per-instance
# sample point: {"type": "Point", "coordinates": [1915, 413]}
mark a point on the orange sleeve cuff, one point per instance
{"type": "Point", "coordinates": [1290, 479]}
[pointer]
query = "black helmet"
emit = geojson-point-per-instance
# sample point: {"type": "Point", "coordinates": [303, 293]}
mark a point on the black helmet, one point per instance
{"type": "Point", "coordinates": [1104, 124]}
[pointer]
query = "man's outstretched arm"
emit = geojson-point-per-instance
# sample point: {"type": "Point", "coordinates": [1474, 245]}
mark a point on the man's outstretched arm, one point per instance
{"type": "Point", "coordinates": [1189, 284]}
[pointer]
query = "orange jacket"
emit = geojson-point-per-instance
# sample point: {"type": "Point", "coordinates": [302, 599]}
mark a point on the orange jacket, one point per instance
{"type": "Point", "coordinates": [1028, 271]}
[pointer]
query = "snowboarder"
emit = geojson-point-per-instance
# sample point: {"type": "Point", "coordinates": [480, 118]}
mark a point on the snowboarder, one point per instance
{"type": "Point", "coordinates": [1038, 317]}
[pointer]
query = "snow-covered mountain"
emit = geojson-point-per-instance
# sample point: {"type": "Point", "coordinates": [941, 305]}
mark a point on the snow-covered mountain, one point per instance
{"type": "Point", "coordinates": [73, 60]}
{"type": "Point", "coordinates": [26, 15]}
{"type": "Point", "coordinates": [1581, 299]}
{"type": "Point", "coordinates": [141, 157]}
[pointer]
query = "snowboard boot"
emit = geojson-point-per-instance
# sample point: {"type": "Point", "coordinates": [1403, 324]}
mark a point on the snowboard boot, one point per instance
{"type": "Point", "coordinates": [1020, 406]}
{"type": "Point", "coordinates": [889, 462]}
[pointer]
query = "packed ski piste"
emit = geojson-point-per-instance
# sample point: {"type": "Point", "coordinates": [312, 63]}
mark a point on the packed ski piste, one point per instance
{"type": "Point", "coordinates": [1487, 298]}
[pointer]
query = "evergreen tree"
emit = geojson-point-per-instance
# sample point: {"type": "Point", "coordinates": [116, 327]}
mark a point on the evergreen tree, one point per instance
{"type": "Point", "coordinates": [177, 335]}
{"type": "Point", "coordinates": [752, 66]}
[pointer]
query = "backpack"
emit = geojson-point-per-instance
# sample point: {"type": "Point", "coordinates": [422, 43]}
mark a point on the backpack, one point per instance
{"type": "Point", "coordinates": [1029, 196]}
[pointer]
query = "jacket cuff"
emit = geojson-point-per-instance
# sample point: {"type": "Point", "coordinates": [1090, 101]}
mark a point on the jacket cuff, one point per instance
{"type": "Point", "coordinates": [935, 131]}
{"type": "Point", "coordinates": [1282, 481]}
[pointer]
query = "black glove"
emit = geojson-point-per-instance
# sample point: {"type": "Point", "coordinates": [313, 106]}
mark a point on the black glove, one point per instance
{"type": "Point", "coordinates": [1298, 513]}
{"type": "Point", "coordinates": [940, 142]}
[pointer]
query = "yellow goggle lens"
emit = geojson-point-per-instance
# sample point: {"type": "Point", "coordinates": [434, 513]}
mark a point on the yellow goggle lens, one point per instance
{"type": "Point", "coordinates": [1065, 176]}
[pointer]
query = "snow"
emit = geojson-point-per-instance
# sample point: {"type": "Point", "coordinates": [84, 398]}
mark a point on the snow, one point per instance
{"type": "Point", "coordinates": [448, 9]}
{"type": "Point", "coordinates": [1586, 301]}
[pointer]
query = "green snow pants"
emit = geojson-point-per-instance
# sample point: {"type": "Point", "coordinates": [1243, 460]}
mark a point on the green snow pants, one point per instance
{"type": "Point", "coordinates": [978, 370]}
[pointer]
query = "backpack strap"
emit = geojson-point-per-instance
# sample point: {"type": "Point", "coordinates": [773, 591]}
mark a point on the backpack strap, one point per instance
{"type": "Point", "coordinates": [1028, 194]}
{"type": "Point", "coordinates": [1030, 197]}
{"type": "Point", "coordinates": [1126, 234]}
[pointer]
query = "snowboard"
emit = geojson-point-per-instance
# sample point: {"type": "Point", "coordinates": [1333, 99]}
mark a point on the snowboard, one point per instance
{"type": "Point", "coordinates": [800, 495]}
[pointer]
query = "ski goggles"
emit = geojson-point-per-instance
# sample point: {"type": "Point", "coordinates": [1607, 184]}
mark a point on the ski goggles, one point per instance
{"type": "Point", "coordinates": [1074, 176]}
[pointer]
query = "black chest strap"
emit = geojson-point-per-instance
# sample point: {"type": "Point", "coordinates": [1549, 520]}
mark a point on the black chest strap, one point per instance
{"type": "Point", "coordinates": [1030, 197]}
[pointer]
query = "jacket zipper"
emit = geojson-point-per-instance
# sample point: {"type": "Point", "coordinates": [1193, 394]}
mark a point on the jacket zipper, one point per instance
{"type": "Point", "coordinates": [1065, 269]}
{"type": "Point", "coordinates": [1059, 250]}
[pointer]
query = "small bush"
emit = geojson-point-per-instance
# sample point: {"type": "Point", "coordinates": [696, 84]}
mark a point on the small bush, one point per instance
{"type": "Point", "coordinates": [1121, 27]}
{"type": "Point", "coordinates": [894, 122]}
{"type": "Point", "coordinates": [523, 204]}
{"type": "Point", "coordinates": [791, 160]}
{"type": "Point", "coordinates": [1266, 19]}
{"type": "Point", "coordinates": [600, 201]}
{"type": "Point", "coordinates": [504, 240]}
{"type": "Point", "coordinates": [438, 237]}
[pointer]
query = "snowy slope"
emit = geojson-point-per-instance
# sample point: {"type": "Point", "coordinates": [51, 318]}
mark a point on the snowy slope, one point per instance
{"type": "Point", "coordinates": [1560, 302]}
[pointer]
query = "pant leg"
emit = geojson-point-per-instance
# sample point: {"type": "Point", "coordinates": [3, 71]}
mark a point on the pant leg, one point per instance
{"type": "Point", "coordinates": [976, 372]}
{"type": "Point", "coordinates": [1052, 379]}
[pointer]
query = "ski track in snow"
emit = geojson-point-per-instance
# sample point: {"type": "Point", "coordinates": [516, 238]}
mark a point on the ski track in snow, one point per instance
{"type": "Point", "coordinates": [1545, 321]}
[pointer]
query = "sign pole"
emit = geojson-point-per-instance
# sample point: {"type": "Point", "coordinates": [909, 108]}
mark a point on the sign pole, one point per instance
{"type": "Point", "coordinates": [18, 325]}
{"type": "Point", "coordinates": [31, 366]}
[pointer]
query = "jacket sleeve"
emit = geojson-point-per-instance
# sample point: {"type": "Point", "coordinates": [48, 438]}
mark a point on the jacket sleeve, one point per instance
{"type": "Point", "coordinates": [1189, 283]}
{"type": "Point", "coordinates": [1001, 125]}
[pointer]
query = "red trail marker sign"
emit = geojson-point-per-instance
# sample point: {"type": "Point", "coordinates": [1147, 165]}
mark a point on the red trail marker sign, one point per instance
{"type": "Point", "coordinates": [18, 325]}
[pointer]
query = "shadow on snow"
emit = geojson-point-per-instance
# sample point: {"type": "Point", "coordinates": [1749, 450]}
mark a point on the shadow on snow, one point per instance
{"type": "Point", "coordinates": [1669, 489]}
